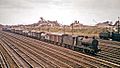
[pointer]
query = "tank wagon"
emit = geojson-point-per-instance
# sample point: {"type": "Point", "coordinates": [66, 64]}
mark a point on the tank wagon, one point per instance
{"type": "Point", "coordinates": [74, 42]}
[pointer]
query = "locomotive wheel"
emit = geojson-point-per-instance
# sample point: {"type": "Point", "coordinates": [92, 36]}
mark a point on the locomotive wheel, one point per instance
{"type": "Point", "coordinates": [86, 51]}
{"type": "Point", "coordinates": [64, 45]}
{"type": "Point", "coordinates": [76, 49]}
{"type": "Point", "coordinates": [81, 49]}
{"type": "Point", "coordinates": [92, 53]}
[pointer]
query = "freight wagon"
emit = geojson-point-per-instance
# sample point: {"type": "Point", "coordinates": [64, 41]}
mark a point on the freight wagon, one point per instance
{"type": "Point", "coordinates": [74, 42]}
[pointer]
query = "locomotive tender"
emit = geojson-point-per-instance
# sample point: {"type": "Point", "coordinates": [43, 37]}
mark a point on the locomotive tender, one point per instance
{"type": "Point", "coordinates": [74, 42]}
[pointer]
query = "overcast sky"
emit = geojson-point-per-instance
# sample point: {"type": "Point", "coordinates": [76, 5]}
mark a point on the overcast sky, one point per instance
{"type": "Point", "coordinates": [65, 11]}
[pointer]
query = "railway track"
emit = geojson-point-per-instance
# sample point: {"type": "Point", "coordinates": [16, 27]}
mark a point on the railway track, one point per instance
{"type": "Point", "coordinates": [112, 56]}
{"type": "Point", "coordinates": [110, 53]}
{"type": "Point", "coordinates": [72, 63]}
{"type": "Point", "coordinates": [62, 51]}
{"type": "Point", "coordinates": [21, 63]}
{"type": "Point", "coordinates": [3, 62]}
{"type": "Point", "coordinates": [49, 64]}
{"type": "Point", "coordinates": [6, 60]}
{"type": "Point", "coordinates": [116, 43]}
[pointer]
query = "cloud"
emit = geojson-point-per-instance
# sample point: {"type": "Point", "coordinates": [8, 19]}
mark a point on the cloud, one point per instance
{"type": "Point", "coordinates": [77, 4]}
{"type": "Point", "coordinates": [17, 4]}
{"type": "Point", "coordinates": [39, 1]}
{"type": "Point", "coordinates": [68, 10]}
{"type": "Point", "coordinates": [97, 4]}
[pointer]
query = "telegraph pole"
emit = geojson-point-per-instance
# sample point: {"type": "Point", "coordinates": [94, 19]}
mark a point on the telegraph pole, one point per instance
{"type": "Point", "coordinates": [64, 28]}
{"type": "Point", "coordinates": [118, 26]}
{"type": "Point", "coordinates": [72, 29]}
{"type": "Point", "coordinates": [48, 27]}
{"type": "Point", "coordinates": [39, 28]}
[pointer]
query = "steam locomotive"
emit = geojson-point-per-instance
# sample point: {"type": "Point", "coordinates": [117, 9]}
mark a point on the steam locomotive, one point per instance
{"type": "Point", "coordinates": [110, 35]}
{"type": "Point", "coordinates": [114, 34]}
{"type": "Point", "coordinates": [85, 44]}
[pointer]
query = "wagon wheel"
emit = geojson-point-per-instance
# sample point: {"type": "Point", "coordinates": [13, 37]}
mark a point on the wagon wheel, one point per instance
{"type": "Point", "coordinates": [81, 49]}
{"type": "Point", "coordinates": [64, 45]}
{"type": "Point", "coordinates": [69, 46]}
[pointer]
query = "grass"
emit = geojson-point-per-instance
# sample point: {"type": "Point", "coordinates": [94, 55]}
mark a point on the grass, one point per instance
{"type": "Point", "coordinates": [84, 31]}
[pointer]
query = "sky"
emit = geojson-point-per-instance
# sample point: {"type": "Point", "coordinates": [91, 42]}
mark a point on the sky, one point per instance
{"type": "Point", "coordinates": [88, 12]}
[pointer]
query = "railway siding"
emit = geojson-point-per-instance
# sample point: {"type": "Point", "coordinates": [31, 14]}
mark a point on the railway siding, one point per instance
{"type": "Point", "coordinates": [16, 57]}
{"type": "Point", "coordinates": [58, 56]}
{"type": "Point", "coordinates": [72, 54]}
{"type": "Point", "coordinates": [6, 59]}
